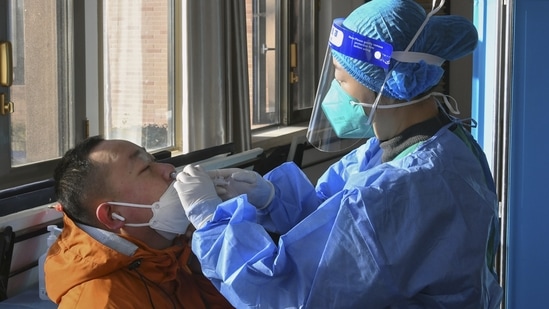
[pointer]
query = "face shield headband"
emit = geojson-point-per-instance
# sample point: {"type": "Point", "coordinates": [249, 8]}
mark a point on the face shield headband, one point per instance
{"type": "Point", "coordinates": [359, 47]}
{"type": "Point", "coordinates": [337, 121]}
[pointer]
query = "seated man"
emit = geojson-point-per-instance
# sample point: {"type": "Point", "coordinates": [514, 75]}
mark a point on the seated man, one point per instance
{"type": "Point", "coordinates": [124, 242]}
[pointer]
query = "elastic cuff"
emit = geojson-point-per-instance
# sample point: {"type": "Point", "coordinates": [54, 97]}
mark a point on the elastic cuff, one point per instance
{"type": "Point", "coordinates": [204, 222]}
{"type": "Point", "coordinates": [271, 196]}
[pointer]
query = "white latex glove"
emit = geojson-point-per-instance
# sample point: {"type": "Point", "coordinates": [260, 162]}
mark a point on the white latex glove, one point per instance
{"type": "Point", "coordinates": [197, 194]}
{"type": "Point", "coordinates": [231, 182]}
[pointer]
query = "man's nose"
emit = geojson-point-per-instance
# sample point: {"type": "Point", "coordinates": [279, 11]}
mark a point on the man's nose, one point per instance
{"type": "Point", "coordinates": [166, 170]}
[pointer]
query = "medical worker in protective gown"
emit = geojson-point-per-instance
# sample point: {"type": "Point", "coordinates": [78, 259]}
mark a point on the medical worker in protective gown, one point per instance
{"type": "Point", "coordinates": [407, 220]}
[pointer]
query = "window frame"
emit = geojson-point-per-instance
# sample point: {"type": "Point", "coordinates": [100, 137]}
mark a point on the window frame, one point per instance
{"type": "Point", "coordinates": [84, 118]}
{"type": "Point", "coordinates": [73, 118]}
{"type": "Point", "coordinates": [296, 70]}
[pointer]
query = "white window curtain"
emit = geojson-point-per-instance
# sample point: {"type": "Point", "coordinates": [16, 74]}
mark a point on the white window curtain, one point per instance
{"type": "Point", "coordinates": [217, 74]}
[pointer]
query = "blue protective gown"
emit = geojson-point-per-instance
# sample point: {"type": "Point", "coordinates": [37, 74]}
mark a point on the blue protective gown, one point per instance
{"type": "Point", "coordinates": [416, 232]}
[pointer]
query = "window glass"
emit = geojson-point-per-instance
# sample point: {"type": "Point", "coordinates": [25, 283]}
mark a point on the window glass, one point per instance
{"type": "Point", "coordinates": [282, 61]}
{"type": "Point", "coordinates": [39, 125]}
{"type": "Point", "coordinates": [137, 62]}
{"type": "Point", "coordinates": [262, 56]}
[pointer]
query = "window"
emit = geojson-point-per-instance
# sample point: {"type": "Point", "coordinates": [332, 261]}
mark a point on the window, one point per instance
{"type": "Point", "coordinates": [40, 124]}
{"type": "Point", "coordinates": [282, 60]}
{"type": "Point", "coordinates": [137, 72]}
{"type": "Point", "coordinates": [134, 92]}
{"type": "Point", "coordinates": [262, 33]}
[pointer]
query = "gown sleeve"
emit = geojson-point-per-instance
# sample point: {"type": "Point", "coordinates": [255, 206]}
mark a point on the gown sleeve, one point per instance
{"type": "Point", "coordinates": [243, 261]}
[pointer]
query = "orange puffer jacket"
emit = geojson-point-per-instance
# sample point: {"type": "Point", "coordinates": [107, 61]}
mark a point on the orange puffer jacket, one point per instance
{"type": "Point", "coordinates": [81, 272]}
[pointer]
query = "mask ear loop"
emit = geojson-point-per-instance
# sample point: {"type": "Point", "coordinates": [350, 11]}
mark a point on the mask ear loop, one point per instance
{"type": "Point", "coordinates": [451, 103]}
{"type": "Point", "coordinates": [448, 101]}
{"type": "Point", "coordinates": [118, 217]}
{"type": "Point", "coordinates": [378, 98]}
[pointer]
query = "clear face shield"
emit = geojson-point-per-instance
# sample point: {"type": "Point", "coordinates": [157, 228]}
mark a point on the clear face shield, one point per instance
{"type": "Point", "coordinates": [338, 120]}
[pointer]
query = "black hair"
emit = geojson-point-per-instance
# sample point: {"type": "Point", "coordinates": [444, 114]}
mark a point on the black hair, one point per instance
{"type": "Point", "coordinates": [76, 180]}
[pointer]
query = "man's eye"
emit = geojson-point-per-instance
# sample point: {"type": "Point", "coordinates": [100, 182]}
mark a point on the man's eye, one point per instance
{"type": "Point", "coordinates": [145, 168]}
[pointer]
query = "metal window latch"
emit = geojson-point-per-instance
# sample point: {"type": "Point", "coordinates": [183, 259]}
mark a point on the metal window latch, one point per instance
{"type": "Point", "coordinates": [5, 107]}
{"type": "Point", "coordinates": [294, 78]}
{"type": "Point", "coordinates": [6, 64]}
{"type": "Point", "coordinates": [6, 76]}
{"type": "Point", "coordinates": [265, 49]}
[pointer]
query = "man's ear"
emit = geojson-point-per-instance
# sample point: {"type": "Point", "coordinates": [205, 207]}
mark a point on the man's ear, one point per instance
{"type": "Point", "coordinates": [57, 206]}
{"type": "Point", "coordinates": [104, 215]}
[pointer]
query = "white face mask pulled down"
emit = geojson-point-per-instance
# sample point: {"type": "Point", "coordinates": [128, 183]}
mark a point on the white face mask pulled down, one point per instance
{"type": "Point", "coordinates": [168, 220]}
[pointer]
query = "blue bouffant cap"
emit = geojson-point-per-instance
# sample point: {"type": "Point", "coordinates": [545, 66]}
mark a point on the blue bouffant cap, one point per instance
{"type": "Point", "coordinates": [396, 22]}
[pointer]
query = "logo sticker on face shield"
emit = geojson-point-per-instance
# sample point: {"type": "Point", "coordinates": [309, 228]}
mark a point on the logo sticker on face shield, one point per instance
{"type": "Point", "coordinates": [359, 46]}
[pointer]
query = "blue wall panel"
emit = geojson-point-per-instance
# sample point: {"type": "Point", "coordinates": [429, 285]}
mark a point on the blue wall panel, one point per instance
{"type": "Point", "coordinates": [528, 216]}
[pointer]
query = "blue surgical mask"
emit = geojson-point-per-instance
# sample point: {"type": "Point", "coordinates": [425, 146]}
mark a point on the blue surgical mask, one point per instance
{"type": "Point", "coordinates": [347, 119]}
